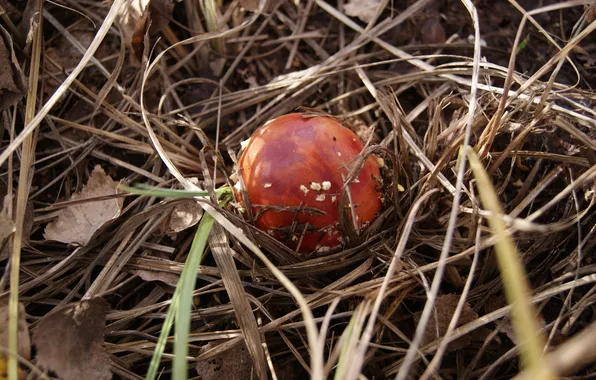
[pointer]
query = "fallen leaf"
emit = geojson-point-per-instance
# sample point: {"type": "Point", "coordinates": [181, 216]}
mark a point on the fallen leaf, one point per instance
{"type": "Point", "coordinates": [365, 10]}
{"type": "Point", "coordinates": [165, 277]}
{"type": "Point", "coordinates": [590, 12]}
{"type": "Point", "coordinates": [234, 363]}
{"type": "Point", "coordinates": [249, 5]}
{"type": "Point", "coordinates": [140, 15]}
{"type": "Point", "coordinates": [69, 341]}
{"type": "Point", "coordinates": [67, 55]}
{"type": "Point", "coordinates": [23, 338]}
{"type": "Point", "coordinates": [432, 31]}
{"type": "Point", "coordinates": [76, 224]}
{"type": "Point", "coordinates": [439, 321]}
{"type": "Point", "coordinates": [29, 23]}
{"type": "Point", "coordinates": [184, 216]}
{"type": "Point", "coordinates": [7, 226]}
{"type": "Point", "coordinates": [140, 35]}
{"type": "Point", "coordinates": [13, 84]}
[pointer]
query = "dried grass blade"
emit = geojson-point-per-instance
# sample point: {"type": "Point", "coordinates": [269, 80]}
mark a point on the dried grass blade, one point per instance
{"type": "Point", "coordinates": [224, 258]}
{"type": "Point", "coordinates": [571, 355]}
{"type": "Point", "coordinates": [209, 8]}
{"type": "Point", "coordinates": [27, 159]}
{"type": "Point", "coordinates": [223, 255]}
{"type": "Point", "coordinates": [351, 336]}
{"type": "Point", "coordinates": [112, 80]}
{"type": "Point", "coordinates": [449, 233]}
{"type": "Point", "coordinates": [517, 289]}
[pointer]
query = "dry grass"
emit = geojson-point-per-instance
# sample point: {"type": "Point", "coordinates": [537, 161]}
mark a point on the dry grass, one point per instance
{"type": "Point", "coordinates": [527, 109]}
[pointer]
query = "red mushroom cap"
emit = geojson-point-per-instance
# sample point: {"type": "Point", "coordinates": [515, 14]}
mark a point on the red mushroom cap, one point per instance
{"type": "Point", "coordinates": [297, 162]}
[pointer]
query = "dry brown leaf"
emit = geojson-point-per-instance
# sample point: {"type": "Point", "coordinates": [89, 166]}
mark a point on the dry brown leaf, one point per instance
{"type": "Point", "coordinates": [590, 12]}
{"type": "Point", "coordinates": [183, 216]}
{"type": "Point", "coordinates": [140, 15]}
{"type": "Point", "coordinates": [29, 23]}
{"type": "Point", "coordinates": [65, 54]}
{"type": "Point", "coordinates": [23, 338]}
{"type": "Point", "coordinates": [165, 277]}
{"type": "Point", "coordinates": [13, 84]}
{"type": "Point", "coordinates": [77, 224]}
{"type": "Point", "coordinates": [441, 317]}
{"type": "Point", "coordinates": [249, 5]}
{"type": "Point", "coordinates": [234, 363]}
{"type": "Point", "coordinates": [69, 341]}
{"type": "Point", "coordinates": [7, 226]}
{"type": "Point", "coordinates": [432, 32]}
{"type": "Point", "coordinates": [365, 10]}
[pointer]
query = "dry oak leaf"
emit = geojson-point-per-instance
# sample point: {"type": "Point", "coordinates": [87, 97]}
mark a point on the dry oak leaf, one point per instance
{"type": "Point", "coordinates": [23, 338]}
{"type": "Point", "coordinates": [167, 278]}
{"type": "Point", "coordinates": [439, 321]}
{"type": "Point", "coordinates": [7, 226]}
{"type": "Point", "coordinates": [234, 363]}
{"type": "Point", "coordinates": [13, 84]}
{"type": "Point", "coordinates": [184, 216]}
{"type": "Point", "coordinates": [249, 5]}
{"type": "Point", "coordinates": [365, 10]}
{"type": "Point", "coordinates": [76, 224]}
{"type": "Point", "coordinates": [69, 341]}
{"type": "Point", "coordinates": [138, 15]}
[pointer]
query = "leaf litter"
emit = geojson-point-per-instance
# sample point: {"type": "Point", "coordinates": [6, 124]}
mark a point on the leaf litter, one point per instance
{"type": "Point", "coordinates": [13, 84]}
{"type": "Point", "coordinates": [23, 337]}
{"type": "Point", "coordinates": [234, 363]}
{"type": "Point", "coordinates": [69, 341]}
{"type": "Point", "coordinates": [443, 312]}
{"type": "Point", "coordinates": [7, 225]}
{"type": "Point", "coordinates": [144, 17]}
{"type": "Point", "coordinates": [365, 10]}
{"type": "Point", "coordinates": [184, 216]}
{"type": "Point", "coordinates": [77, 223]}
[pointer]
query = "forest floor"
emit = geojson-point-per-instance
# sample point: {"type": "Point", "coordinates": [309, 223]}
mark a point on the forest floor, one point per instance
{"type": "Point", "coordinates": [465, 102]}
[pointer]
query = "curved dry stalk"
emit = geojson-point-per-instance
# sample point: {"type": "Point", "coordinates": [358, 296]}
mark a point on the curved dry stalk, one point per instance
{"type": "Point", "coordinates": [311, 329]}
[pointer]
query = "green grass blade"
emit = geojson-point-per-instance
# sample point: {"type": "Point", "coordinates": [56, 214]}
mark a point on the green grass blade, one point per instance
{"type": "Point", "coordinates": [163, 337]}
{"type": "Point", "coordinates": [152, 191]}
{"type": "Point", "coordinates": [180, 308]}
{"type": "Point", "coordinates": [341, 365]}
{"type": "Point", "coordinates": [187, 286]}
{"type": "Point", "coordinates": [351, 337]}
{"type": "Point", "coordinates": [142, 189]}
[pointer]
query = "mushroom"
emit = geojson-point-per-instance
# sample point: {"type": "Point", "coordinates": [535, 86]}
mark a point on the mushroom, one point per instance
{"type": "Point", "coordinates": [294, 169]}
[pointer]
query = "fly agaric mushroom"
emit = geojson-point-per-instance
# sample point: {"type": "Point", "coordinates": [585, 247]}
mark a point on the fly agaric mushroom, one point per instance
{"type": "Point", "coordinates": [294, 168]}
